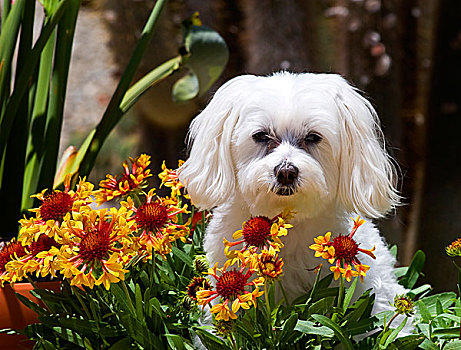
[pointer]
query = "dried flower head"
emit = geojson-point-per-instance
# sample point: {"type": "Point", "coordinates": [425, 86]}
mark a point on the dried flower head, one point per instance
{"type": "Point", "coordinates": [404, 305]}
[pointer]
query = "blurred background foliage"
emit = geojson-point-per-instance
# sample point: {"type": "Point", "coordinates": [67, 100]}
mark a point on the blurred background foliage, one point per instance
{"type": "Point", "coordinates": [405, 55]}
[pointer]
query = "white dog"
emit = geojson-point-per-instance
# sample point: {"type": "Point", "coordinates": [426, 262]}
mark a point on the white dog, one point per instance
{"type": "Point", "coordinates": [306, 142]}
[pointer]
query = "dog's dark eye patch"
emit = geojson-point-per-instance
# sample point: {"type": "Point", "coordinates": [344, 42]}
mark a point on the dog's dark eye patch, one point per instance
{"type": "Point", "coordinates": [261, 137]}
{"type": "Point", "coordinates": [309, 140]}
{"type": "Point", "coordinates": [312, 138]}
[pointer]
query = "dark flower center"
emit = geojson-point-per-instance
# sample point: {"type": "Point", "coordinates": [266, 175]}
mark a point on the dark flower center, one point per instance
{"type": "Point", "coordinates": [231, 284]}
{"type": "Point", "coordinates": [256, 230]}
{"type": "Point", "coordinates": [152, 216]}
{"type": "Point", "coordinates": [55, 205]}
{"type": "Point", "coordinates": [42, 244]}
{"type": "Point", "coordinates": [96, 243]}
{"type": "Point", "coordinates": [345, 248]}
{"type": "Point", "coordinates": [197, 283]}
{"type": "Point", "coordinates": [8, 252]}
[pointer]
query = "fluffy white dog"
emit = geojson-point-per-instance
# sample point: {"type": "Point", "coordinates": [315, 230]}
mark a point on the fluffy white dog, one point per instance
{"type": "Point", "coordinates": [306, 142]}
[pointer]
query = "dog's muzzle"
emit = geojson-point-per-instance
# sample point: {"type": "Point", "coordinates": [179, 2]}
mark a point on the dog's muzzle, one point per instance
{"type": "Point", "coordinates": [286, 175]}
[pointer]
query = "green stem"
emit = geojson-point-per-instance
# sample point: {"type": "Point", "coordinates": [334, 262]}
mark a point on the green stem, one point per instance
{"type": "Point", "coordinates": [341, 292]}
{"type": "Point", "coordinates": [340, 299]}
{"type": "Point", "coordinates": [234, 344]}
{"type": "Point", "coordinates": [84, 307]}
{"type": "Point", "coordinates": [390, 321]}
{"type": "Point", "coordinates": [268, 308]}
{"type": "Point", "coordinates": [128, 297]}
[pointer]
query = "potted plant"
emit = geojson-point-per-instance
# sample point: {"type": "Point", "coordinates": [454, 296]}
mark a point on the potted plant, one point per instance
{"type": "Point", "coordinates": [32, 103]}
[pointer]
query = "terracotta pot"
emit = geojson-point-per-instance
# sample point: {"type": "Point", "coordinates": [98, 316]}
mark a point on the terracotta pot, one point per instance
{"type": "Point", "coordinates": [15, 315]}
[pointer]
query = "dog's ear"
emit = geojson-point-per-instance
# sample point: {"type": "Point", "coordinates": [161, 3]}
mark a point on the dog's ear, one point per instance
{"type": "Point", "coordinates": [367, 176]}
{"type": "Point", "coordinates": [208, 174]}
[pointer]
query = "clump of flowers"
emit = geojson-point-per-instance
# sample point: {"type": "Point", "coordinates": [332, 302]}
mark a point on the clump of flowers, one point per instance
{"type": "Point", "coordinates": [343, 252]}
{"type": "Point", "coordinates": [67, 238]}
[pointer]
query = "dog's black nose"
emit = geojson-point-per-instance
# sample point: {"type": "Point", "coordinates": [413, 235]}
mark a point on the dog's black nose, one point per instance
{"type": "Point", "coordinates": [286, 173]}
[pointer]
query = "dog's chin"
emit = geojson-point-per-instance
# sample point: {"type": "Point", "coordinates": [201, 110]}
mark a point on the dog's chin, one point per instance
{"type": "Point", "coordinates": [284, 191]}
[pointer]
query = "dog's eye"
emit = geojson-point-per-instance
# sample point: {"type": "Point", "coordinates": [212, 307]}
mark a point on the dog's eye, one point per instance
{"type": "Point", "coordinates": [312, 139]}
{"type": "Point", "coordinates": [261, 137]}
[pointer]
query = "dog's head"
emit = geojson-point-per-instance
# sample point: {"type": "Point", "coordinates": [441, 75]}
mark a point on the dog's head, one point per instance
{"type": "Point", "coordinates": [298, 141]}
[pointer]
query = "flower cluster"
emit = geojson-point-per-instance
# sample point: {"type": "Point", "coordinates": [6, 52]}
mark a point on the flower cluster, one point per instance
{"type": "Point", "coordinates": [255, 264]}
{"type": "Point", "coordinates": [342, 252]}
{"type": "Point", "coordinates": [68, 238]}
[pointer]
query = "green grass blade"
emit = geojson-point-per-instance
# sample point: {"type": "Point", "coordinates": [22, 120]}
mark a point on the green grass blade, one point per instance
{"type": "Point", "coordinates": [37, 125]}
{"type": "Point", "coordinates": [8, 39]}
{"type": "Point", "coordinates": [29, 66]}
{"type": "Point", "coordinates": [14, 161]}
{"type": "Point", "coordinates": [63, 52]}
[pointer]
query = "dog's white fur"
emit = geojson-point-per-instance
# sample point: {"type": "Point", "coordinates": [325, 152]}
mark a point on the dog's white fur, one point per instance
{"type": "Point", "coordinates": [347, 172]}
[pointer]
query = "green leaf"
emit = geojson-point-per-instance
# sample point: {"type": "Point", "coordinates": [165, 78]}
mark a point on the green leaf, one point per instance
{"type": "Point", "coordinates": [323, 306]}
{"type": "Point", "coordinates": [186, 88]}
{"type": "Point", "coordinates": [343, 338]}
{"type": "Point", "coordinates": [349, 295]}
{"type": "Point", "coordinates": [454, 345]}
{"type": "Point", "coordinates": [122, 344]}
{"type": "Point", "coordinates": [361, 308]}
{"type": "Point", "coordinates": [414, 270]}
{"type": "Point", "coordinates": [409, 342]}
{"type": "Point", "coordinates": [424, 311]}
{"type": "Point", "coordinates": [208, 339]}
{"type": "Point", "coordinates": [121, 297]}
{"type": "Point", "coordinates": [428, 345]}
{"type": "Point", "coordinates": [183, 256]}
{"type": "Point", "coordinates": [309, 327]}
{"type": "Point", "coordinates": [288, 327]}
{"type": "Point", "coordinates": [31, 305]}
{"type": "Point", "coordinates": [139, 302]}
{"type": "Point", "coordinates": [395, 332]}
{"type": "Point", "coordinates": [8, 39]}
{"type": "Point", "coordinates": [206, 57]}
{"type": "Point", "coordinates": [175, 341]}
{"type": "Point", "coordinates": [450, 332]}
{"type": "Point", "coordinates": [446, 298]}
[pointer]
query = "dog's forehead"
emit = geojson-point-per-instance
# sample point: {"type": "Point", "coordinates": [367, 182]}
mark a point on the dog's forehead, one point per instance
{"type": "Point", "coordinates": [281, 108]}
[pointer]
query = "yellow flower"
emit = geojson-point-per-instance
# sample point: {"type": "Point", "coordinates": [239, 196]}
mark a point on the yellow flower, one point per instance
{"type": "Point", "coordinates": [269, 264]}
{"type": "Point", "coordinates": [170, 178]}
{"type": "Point", "coordinates": [348, 273]}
